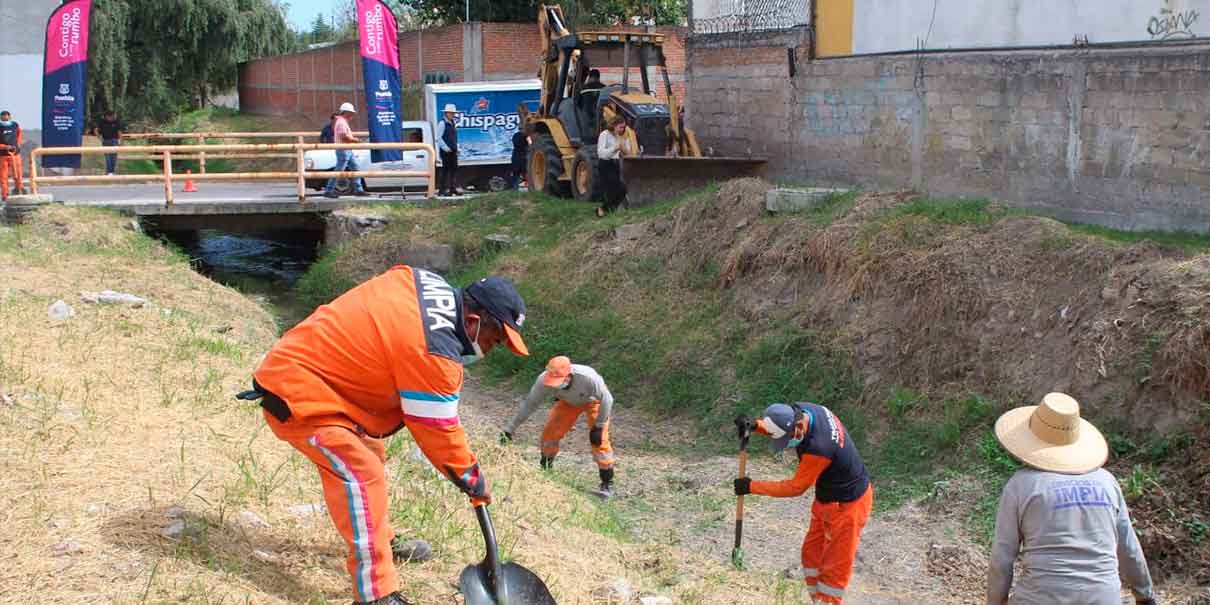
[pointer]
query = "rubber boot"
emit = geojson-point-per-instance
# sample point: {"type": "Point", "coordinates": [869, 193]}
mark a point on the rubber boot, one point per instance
{"type": "Point", "coordinates": [606, 489]}
{"type": "Point", "coordinates": [392, 599]}
{"type": "Point", "coordinates": [546, 462]}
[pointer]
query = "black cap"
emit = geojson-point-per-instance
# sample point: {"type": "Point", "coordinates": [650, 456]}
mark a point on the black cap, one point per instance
{"type": "Point", "coordinates": [498, 296]}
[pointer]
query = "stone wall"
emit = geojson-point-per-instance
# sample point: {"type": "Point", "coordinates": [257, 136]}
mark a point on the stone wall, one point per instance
{"type": "Point", "coordinates": [1114, 137]}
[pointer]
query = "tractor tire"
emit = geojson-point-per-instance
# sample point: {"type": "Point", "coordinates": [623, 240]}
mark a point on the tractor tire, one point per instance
{"type": "Point", "coordinates": [546, 166]}
{"type": "Point", "coordinates": [586, 175]}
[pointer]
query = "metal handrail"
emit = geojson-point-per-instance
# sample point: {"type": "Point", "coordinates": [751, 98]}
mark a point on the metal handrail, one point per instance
{"type": "Point", "coordinates": [201, 137]}
{"type": "Point", "coordinates": [301, 174]}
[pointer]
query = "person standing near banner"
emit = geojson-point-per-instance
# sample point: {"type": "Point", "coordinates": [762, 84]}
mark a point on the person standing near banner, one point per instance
{"type": "Point", "coordinates": [109, 129]}
{"type": "Point", "coordinates": [447, 144]}
{"type": "Point", "coordinates": [343, 133]}
{"type": "Point", "coordinates": [11, 139]}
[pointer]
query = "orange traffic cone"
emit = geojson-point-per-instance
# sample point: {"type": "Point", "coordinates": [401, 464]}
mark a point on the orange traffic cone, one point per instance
{"type": "Point", "coordinates": [190, 187]}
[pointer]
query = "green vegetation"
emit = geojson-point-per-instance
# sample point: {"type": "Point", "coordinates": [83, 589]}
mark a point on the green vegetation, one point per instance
{"type": "Point", "coordinates": [132, 74]}
{"type": "Point", "coordinates": [1192, 243]}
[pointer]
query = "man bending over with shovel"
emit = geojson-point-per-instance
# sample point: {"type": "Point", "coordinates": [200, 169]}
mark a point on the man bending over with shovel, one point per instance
{"type": "Point", "coordinates": [827, 459]}
{"type": "Point", "coordinates": [387, 354]}
{"type": "Point", "coordinates": [577, 389]}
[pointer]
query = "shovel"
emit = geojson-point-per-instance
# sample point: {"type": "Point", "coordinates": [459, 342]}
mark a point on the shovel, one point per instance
{"type": "Point", "coordinates": [494, 583]}
{"type": "Point", "coordinates": [737, 554]}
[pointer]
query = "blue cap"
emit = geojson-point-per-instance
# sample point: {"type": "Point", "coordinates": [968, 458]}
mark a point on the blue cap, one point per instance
{"type": "Point", "coordinates": [500, 298]}
{"type": "Point", "coordinates": [779, 418]}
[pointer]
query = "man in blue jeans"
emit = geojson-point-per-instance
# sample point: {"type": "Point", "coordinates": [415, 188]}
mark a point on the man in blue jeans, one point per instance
{"type": "Point", "coordinates": [342, 133]}
{"type": "Point", "coordinates": [109, 129]}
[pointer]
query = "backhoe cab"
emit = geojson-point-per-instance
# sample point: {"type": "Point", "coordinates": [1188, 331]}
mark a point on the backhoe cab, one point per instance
{"type": "Point", "coordinates": [574, 109]}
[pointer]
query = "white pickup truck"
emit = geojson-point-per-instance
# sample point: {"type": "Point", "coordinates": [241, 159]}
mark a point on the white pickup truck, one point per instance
{"type": "Point", "coordinates": [413, 132]}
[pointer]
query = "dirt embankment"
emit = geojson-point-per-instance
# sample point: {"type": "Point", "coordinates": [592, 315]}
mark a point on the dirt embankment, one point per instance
{"type": "Point", "coordinates": [989, 300]}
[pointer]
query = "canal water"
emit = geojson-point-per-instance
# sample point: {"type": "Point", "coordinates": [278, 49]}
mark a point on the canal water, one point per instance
{"type": "Point", "coordinates": [264, 265]}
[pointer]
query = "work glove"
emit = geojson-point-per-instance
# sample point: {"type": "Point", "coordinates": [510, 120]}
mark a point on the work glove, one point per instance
{"type": "Point", "coordinates": [505, 437]}
{"type": "Point", "coordinates": [472, 483]}
{"type": "Point", "coordinates": [744, 425]}
{"type": "Point", "coordinates": [743, 486]}
{"type": "Point", "coordinates": [595, 435]}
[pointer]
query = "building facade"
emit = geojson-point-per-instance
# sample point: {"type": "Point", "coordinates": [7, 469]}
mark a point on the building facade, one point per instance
{"type": "Point", "coordinates": [857, 27]}
{"type": "Point", "coordinates": [21, 50]}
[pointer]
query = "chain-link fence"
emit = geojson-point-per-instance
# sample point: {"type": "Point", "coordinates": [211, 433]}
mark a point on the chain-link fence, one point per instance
{"type": "Point", "coordinates": [737, 16]}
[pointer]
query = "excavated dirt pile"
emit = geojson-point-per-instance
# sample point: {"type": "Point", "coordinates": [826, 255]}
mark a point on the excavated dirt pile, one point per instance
{"type": "Point", "coordinates": [985, 299]}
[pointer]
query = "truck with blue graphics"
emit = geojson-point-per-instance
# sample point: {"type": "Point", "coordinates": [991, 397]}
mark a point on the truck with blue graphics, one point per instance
{"type": "Point", "coordinates": [487, 120]}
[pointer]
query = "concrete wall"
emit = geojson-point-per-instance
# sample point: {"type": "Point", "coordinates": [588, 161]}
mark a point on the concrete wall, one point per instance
{"type": "Point", "coordinates": [1119, 138]}
{"type": "Point", "coordinates": [21, 46]}
{"type": "Point", "coordinates": [898, 25]}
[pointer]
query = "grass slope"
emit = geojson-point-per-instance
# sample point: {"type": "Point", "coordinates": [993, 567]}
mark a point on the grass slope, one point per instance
{"type": "Point", "coordinates": [663, 318]}
{"type": "Point", "coordinates": [118, 426]}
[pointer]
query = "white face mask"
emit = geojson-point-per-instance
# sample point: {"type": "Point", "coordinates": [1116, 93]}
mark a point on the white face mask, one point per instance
{"type": "Point", "coordinates": [478, 355]}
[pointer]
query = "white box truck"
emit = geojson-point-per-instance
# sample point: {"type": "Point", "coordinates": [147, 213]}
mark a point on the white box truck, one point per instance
{"type": "Point", "coordinates": [487, 119]}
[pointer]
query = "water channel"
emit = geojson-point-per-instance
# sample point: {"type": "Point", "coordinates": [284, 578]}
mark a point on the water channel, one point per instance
{"type": "Point", "coordinates": [263, 265]}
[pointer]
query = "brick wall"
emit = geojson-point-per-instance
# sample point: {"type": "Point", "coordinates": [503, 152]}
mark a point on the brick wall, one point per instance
{"type": "Point", "coordinates": [431, 51]}
{"type": "Point", "coordinates": [311, 84]}
{"type": "Point", "coordinates": [510, 50]}
{"type": "Point", "coordinates": [1113, 137]}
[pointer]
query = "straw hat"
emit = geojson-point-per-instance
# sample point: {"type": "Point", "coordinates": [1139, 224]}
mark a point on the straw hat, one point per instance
{"type": "Point", "coordinates": [1052, 436]}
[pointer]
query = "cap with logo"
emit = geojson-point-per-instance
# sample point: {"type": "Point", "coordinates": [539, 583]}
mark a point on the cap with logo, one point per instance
{"type": "Point", "coordinates": [347, 107]}
{"type": "Point", "coordinates": [500, 298]}
{"type": "Point", "coordinates": [779, 419]}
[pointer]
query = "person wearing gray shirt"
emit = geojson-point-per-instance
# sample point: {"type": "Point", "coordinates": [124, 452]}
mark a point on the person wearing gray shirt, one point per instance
{"type": "Point", "coordinates": [1064, 518]}
{"type": "Point", "coordinates": [577, 389]}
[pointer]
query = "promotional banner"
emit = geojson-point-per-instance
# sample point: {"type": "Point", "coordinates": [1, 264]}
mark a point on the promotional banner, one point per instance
{"type": "Point", "coordinates": [380, 71]}
{"type": "Point", "coordinates": [64, 76]}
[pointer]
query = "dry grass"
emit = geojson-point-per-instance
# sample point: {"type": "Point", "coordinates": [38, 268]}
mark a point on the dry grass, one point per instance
{"type": "Point", "coordinates": [117, 423]}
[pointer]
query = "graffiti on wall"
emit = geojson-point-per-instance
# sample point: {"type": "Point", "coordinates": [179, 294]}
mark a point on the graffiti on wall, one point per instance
{"type": "Point", "coordinates": [1172, 24]}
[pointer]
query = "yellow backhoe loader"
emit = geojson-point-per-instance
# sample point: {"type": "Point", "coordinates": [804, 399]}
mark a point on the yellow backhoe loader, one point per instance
{"type": "Point", "coordinates": [574, 110]}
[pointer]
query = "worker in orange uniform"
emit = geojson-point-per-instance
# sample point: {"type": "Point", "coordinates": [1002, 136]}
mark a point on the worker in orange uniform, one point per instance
{"type": "Point", "coordinates": [827, 459]}
{"type": "Point", "coordinates": [577, 389]}
{"type": "Point", "coordinates": [387, 354]}
{"type": "Point", "coordinates": [11, 139]}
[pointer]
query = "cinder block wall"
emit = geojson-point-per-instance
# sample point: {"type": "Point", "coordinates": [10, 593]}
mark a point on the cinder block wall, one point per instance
{"type": "Point", "coordinates": [1119, 137]}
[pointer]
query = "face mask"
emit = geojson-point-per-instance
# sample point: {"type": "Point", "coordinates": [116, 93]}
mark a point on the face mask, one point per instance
{"type": "Point", "coordinates": [793, 443]}
{"type": "Point", "coordinates": [6, 123]}
{"type": "Point", "coordinates": [478, 355]}
{"type": "Point", "coordinates": [566, 384]}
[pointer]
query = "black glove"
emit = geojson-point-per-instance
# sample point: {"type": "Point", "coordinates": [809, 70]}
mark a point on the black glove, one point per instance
{"type": "Point", "coordinates": [594, 436]}
{"type": "Point", "coordinates": [743, 486]}
{"type": "Point", "coordinates": [744, 425]}
{"type": "Point", "coordinates": [505, 437]}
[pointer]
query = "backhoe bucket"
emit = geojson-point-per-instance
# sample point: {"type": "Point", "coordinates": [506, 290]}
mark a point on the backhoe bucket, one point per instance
{"type": "Point", "coordinates": [657, 178]}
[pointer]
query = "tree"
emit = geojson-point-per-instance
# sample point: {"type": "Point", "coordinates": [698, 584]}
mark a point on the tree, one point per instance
{"type": "Point", "coordinates": [604, 12]}
{"type": "Point", "coordinates": [150, 59]}
{"type": "Point", "coordinates": [321, 30]}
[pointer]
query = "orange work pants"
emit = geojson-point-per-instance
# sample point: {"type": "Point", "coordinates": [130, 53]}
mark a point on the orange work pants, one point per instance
{"type": "Point", "coordinates": [10, 164]}
{"type": "Point", "coordinates": [352, 470]}
{"type": "Point", "coordinates": [562, 417]}
{"type": "Point", "coordinates": [831, 545]}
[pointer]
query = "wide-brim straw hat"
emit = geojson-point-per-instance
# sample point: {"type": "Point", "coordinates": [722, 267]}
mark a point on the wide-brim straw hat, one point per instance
{"type": "Point", "coordinates": [1051, 436]}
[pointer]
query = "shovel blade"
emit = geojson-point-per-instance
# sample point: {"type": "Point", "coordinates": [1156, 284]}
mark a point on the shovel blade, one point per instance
{"type": "Point", "coordinates": [519, 586]}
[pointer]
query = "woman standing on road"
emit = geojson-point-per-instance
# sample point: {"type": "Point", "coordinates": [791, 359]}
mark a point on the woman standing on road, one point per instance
{"type": "Point", "coordinates": [611, 146]}
{"type": "Point", "coordinates": [1064, 517]}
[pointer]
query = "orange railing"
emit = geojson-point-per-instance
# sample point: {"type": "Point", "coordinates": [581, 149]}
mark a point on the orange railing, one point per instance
{"type": "Point", "coordinates": [167, 153]}
{"type": "Point", "coordinates": [297, 136]}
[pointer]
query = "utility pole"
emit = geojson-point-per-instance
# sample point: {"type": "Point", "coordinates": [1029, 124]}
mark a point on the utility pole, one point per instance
{"type": "Point", "coordinates": [468, 11]}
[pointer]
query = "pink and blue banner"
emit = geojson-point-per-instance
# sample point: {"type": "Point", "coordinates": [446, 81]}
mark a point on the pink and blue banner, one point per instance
{"type": "Point", "coordinates": [380, 70]}
{"type": "Point", "coordinates": [64, 81]}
